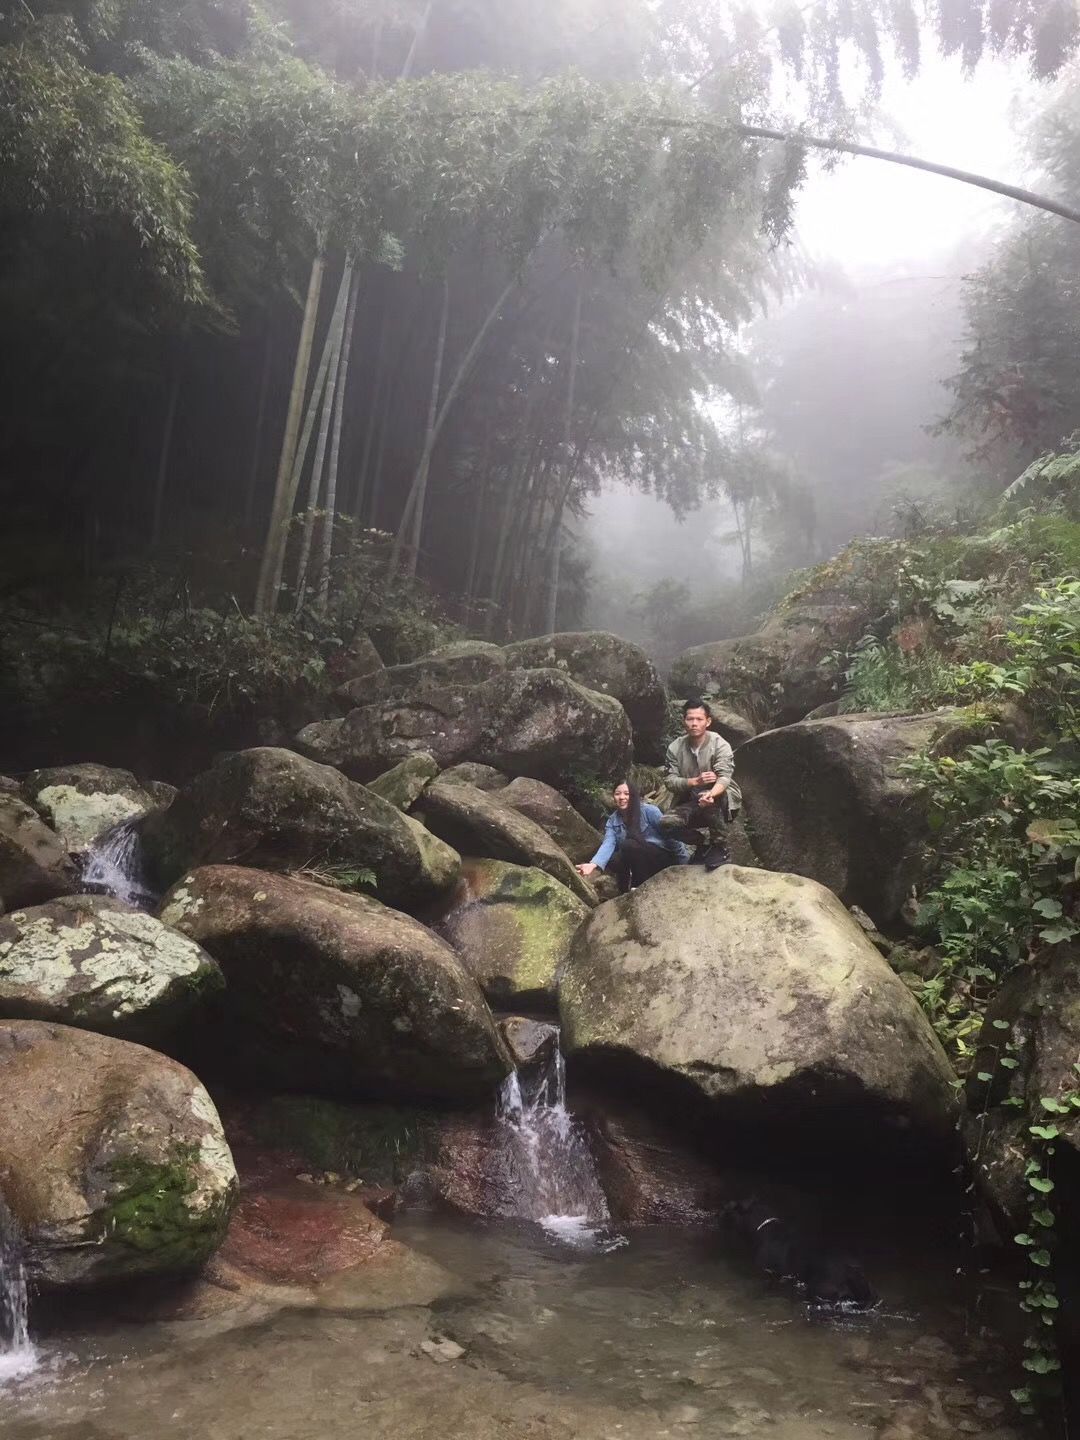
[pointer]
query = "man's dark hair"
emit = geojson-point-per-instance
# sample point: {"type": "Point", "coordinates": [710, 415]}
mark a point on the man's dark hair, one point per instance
{"type": "Point", "coordinates": [696, 705]}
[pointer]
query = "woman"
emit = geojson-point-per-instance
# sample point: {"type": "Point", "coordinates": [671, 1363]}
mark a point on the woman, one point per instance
{"type": "Point", "coordinates": [634, 845]}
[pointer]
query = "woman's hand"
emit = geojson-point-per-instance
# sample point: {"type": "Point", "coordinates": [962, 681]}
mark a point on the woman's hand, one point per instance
{"type": "Point", "coordinates": [587, 869]}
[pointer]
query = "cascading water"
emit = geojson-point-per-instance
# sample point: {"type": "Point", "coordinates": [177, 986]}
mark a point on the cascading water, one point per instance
{"type": "Point", "coordinates": [552, 1176]}
{"type": "Point", "coordinates": [114, 866]}
{"type": "Point", "coordinates": [17, 1354]}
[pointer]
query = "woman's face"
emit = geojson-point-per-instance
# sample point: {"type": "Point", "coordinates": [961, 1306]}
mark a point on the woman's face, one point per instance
{"type": "Point", "coordinates": [622, 797]}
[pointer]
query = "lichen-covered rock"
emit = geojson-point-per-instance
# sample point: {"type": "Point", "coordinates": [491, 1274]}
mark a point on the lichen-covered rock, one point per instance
{"type": "Point", "coordinates": [484, 777]}
{"type": "Point", "coordinates": [478, 823]}
{"type": "Point", "coordinates": [554, 814]}
{"type": "Point", "coordinates": [523, 722]}
{"type": "Point", "coordinates": [405, 783]}
{"type": "Point", "coordinates": [275, 810]}
{"type": "Point", "coordinates": [758, 994]}
{"type": "Point", "coordinates": [828, 799]}
{"type": "Point", "coordinates": [513, 926]}
{"type": "Point", "coordinates": [1034, 1019]}
{"type": "Point", "coordinates": [8, 786]}
{"type": "Point", "coordinates": [784, 669]}
{"type": "Point", "coordinates": [112, 1158]}
{"type": "Point", "coordinates": [337, 991]}
{"type": "Point", "coordinates": [34, 866]}
{"type": "Point", "coordinates": [611, 665]}
{"type": "Point", "coordinates": [94, 962]}
{"type": "Point", "coordinates": [465, 662]}
{"type": "Point", "coordinates": [81, 802]}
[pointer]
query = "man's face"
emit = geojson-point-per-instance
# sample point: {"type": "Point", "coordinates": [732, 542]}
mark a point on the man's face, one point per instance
{"type": "Point", "coordinates": [696, 722]}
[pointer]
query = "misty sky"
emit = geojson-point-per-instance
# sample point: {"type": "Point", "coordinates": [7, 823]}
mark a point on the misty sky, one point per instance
{"type": "Point", "coordinates": [876, 220]}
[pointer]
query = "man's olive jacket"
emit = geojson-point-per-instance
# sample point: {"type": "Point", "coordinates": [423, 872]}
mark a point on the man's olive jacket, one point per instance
{"type": "Point", "coordinates": [682, 763]}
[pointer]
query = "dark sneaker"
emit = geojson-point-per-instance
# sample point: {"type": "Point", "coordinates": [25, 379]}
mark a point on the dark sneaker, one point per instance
{"type": "Point", "coordinates": [715, 856]}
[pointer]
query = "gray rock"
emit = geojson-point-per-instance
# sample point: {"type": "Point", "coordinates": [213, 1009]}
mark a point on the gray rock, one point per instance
{"type": "Point", "coordinates": [405, 783]}
{"type": "Point", "coordinates": [112, 1158]}
{"type": "Point", "coordinates": [34, 866]}
{"type": "Point", "coordinates": [94, 962]}
{"type": "Point", "coordinates": [761, 995]}
{"type": "Point", "coordinates": [538, 723]}
{"type": "Point", "coordinates": [81, 802]}
{"type": "Point", "coordinates": [477, 823]}
{"type": "Point", "coordinates": [275, 810]}
{"type": "Point", "coordinates": [554, 814]}
{"type": "Point", "coordinates": [332, 990]}
{"type": "Point", "coordinates": [484, 777]}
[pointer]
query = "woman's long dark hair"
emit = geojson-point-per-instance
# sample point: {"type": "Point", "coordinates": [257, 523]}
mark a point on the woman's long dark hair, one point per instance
{"type": "Point", "coordinates": [632, 815]}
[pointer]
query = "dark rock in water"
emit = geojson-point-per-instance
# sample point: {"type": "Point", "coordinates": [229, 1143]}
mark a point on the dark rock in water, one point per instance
{"type": "Point", "coordinates": [828, 799]}
{"type": "Point", "coordinates": [34, 866]}
{"type": "Point", "coordinates": [275, 810]}
{"type": "Point", "coordinates": [611, 665]}
{"type": "Point", "coordinates": [336, 991]}
{"type": "Point", "coordinates": [484, 777]}
{"type": "Point", "coordinates": [112, 1158]}
{"type": "Point", "coordinates": [513, 926]}
{"type": "Point", "coordinates": [82, 802]}
{"type": "Point", "coordinates": [555, 815]}
{"type": "Point", "coordinates": [97, 963]}
{"type": "Point", "coordinates": [538, 723]}
{"type": "Point", "coordinates": [756, 995]}
{"type": "Point", "coordinates": [405, 783]}
{"type": "Point", "coordinates": [531, 1043]}
{"type": "Point", "coordinates": [478, 823]}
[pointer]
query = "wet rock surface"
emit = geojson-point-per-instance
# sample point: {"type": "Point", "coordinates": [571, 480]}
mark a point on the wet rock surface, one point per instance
{"type": "Point", "coordinates": [97, 963]}
{"type": "Point", "coordinates": [330, 989]}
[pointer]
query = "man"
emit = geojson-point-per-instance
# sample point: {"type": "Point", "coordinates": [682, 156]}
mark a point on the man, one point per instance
{"type": "Point", "coordinates": [700, 775]}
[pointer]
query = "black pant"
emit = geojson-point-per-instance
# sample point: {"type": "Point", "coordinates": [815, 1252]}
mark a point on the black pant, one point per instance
{"type": "Point", "coordinates": [635, 860]}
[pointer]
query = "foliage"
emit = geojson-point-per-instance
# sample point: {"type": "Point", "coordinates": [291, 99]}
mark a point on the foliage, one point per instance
{"type": "Point", "coordinates": [883, 677]}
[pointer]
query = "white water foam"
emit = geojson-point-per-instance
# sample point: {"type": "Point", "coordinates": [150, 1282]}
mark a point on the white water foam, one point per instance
{"type": "Point", "coordinates": [553, 1176]}
{"type": "Point", "coordinates": [18, 1357]}
{"type": "Point", "coordinates": [114, 866]}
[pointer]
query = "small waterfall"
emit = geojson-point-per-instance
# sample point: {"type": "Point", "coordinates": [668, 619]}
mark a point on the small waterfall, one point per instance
{"type": "Point", "coordinates": [552, 1175]}
{"type": "Point", "coordinates": [114, 866]}
{"type": "Point", "coordinates": [17, 1354]}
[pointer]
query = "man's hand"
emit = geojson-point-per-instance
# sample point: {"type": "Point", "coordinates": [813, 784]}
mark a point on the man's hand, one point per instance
{"type": "Point", "coordinates": [708, 777]}
{"type": "Point", "coordinates": [709, 799]}
{"type": "Point", "coordinates": [586, 869]}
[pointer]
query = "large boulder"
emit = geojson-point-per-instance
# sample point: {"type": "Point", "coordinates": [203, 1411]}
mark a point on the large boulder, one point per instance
{"type": "Point", "coordinates": [405, 783]}
{"type": "Point", "coordinates": [334, 990]}
{"type": "Point", "coordinates": [785, 669]}
{"type": "Point", "coordinates": [81, 802]}
{"type": "Point", "coordinates": [92, 961]}
{"type": "Point", "coordinates": [554, 814]}
{"type": "Point", "coordinates": [484, 777]}
{"type": "Point", "coordinates": [112, 1158]}
{"type": "Point", "coordinates": [476, 822]}
{"type": "Point", "coordinates": [828, 799]}
{"type": "Point", "coordinates": [34, 866]}
{"type": "Point", "coordinates": [1034, 1020]}
{"type": "Point", "coordinates": [526, 722]}
{"type": "Point", "coordinates": [513, 926]}
{"type": "Point", "coordinates": [275, 810]}
{"type": "Point", "coordinates": [611, 665]}
{"type": "Point", "coordinates": [757, 994]}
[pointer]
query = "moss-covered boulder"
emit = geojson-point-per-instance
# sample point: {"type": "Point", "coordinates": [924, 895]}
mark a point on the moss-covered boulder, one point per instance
{"type": "Point", "coordinates": [539, 723]}
{"type": "Point", "coordinates": [112, 1157]}
{"type": "Point", "coordinates": [544, 805]}
{"type": "Point", "coordinates": [513, 926]}
{"type": "Point", "coordinates": [758, 994]}
{"type": "Point", "coordinates": [34, 866]}
{"type": "Point", "coordinates": [81, 802]}
{"type": "Point", "coordinates": [273, 809]}
{"type": "Point", "coordinates": [611, 665]}
{"type": "Point", "coordinates": [337, 991]}
{"type": "Point", "coordinates": [782, 671]}
{"type": "Point", "coordinates": [465, 662]}
{"type": "Point", "coordinates": [94, 962]}
{"type": "Point", "coordinates": [477, 823]}
{"type": "Point", "coordinates": [405, 783]}
{"type": "Point", "coordinates": [829, 799]}
{"type": "Point", "coordinates": [484, 777]}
